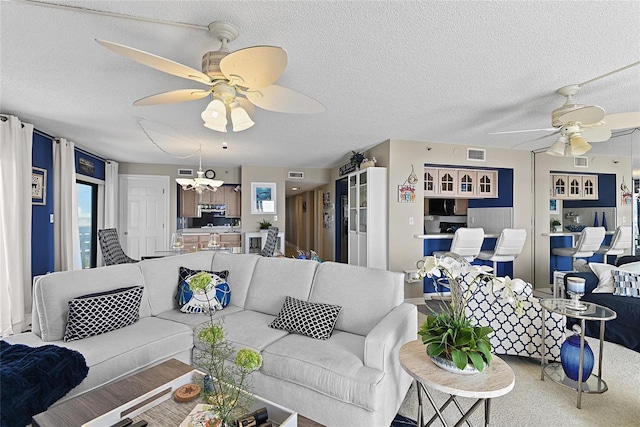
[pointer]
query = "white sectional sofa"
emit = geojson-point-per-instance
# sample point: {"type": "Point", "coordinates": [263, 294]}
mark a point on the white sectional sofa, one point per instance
{"type": "Point", "coordinates": [352, 378]}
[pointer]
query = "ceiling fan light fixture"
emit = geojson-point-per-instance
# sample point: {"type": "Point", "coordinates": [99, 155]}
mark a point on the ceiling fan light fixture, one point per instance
{"type": "Point", "coordinates": [578, 145]}
{"type": "Point", "coordinates": [558, 147]}
{"type": "Point", "coordinates": [239, 117]}
{"type": "Point", "coordinates": [199, 184]}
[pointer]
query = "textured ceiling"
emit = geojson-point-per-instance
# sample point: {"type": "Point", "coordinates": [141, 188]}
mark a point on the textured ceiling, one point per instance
{"type": "Point", "coordinates": [450, 71]}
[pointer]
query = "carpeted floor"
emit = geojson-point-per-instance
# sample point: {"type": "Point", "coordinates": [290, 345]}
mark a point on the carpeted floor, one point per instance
{"type": "Point", "coordinates": [533, 402]}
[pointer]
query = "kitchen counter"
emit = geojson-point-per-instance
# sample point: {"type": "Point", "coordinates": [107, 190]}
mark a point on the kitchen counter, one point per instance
{"type": "Point", "coordinates": [433, 236]}
{"type": "Point", "coordinates": [570, 233]}
{"type": "Point", "coordinates": [209, 230]}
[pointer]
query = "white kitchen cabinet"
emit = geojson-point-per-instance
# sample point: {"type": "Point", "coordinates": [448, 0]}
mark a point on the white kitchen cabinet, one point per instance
{"type": "Point", "coordinates": [430, 182]}
{"type": "Point", "coordinates": [487, 184]}
{"type": "Point", "coordinates": [467, 183]}
{"type": "Point", "coordinates": [559, 185]}
{"type": "Point", "coordinates": [590, 187]}
{"type": "Point", "coordinates": [574, 187]}
{"type": "Point", "coordinates": [447, 182]}
{"type": "Point", "coordinates": [460, 183]}
{"type": "Point", "coordinates": [367, 201]}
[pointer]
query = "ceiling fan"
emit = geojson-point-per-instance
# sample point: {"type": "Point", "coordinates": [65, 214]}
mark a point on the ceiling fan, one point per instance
{"type": "Point", "coordinates": [237, 81]}
{"type": "Point", "coordinates": [579, 124]}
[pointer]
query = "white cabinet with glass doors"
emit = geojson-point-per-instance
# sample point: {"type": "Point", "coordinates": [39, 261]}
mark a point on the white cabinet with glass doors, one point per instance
{"type": "Point", "coordinates": [573, 186]}
{"type": "Point", "coordinates": [367, 219]}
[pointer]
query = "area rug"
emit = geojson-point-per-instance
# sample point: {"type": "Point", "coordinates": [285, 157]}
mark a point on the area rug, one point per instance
{"type": "Point", "coordinates": [533, 402]}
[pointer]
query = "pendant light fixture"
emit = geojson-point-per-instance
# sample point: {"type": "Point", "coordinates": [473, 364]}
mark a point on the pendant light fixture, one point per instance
{"type": "Point", "coordinates": [200, 183]}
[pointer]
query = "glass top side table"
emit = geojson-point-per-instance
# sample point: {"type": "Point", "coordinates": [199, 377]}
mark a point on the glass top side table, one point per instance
{"type": "Point", "coordinates": [595, 312]}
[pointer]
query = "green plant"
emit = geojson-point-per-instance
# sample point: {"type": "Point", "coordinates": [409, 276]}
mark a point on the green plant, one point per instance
{"type": "Point", "coordinates": [356, 158]}
{"type": "Point", "coordinates": [451, 334]}
{"type": "Point", "coordinates": [227, 390]}
{"type": "Point", "coordinates": [555, 222]}
{"type": "Point", "coordinates": [265, 224]}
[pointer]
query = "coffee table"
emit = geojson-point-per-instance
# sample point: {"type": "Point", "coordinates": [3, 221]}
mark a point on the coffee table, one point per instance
{"type": "Point", "coordinates": [495, 380]}
{"type": "Point", "coordinates": [145, 395]}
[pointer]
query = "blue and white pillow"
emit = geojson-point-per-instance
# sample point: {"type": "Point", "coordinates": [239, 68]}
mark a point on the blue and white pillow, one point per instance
{"type": "Point", "coordinates": [626, 284]}
{"type": "Point", "coordinates": [216, 299]}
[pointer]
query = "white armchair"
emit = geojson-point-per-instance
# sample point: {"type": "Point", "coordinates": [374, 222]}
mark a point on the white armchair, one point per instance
{"type": "Point", "coordinates": [512, 334]}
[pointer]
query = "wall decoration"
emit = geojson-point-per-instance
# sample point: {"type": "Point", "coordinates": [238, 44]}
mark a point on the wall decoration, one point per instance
{"type": "Point", "coordinates": [326, 220]}
{"type": "Point", "coordinates": [263, 198]}
{"type": "Point", "coordinates": [553, 206]}
{"type": "Point", "coordinates": [38, 186]}
{"type": "Point", "coordinates": [326, 200]}
{"type": "Point", "coordinates": [406, 193]}
{"type": "Point", "coordinates": [86, 166]}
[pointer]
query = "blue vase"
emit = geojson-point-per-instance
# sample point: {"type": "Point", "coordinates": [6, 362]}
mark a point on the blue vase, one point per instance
{"type": "Point", "coordinates": [604, 221]}
{"type": "Point", "coordinates": [595, 219]}
{"type": "Point", "coordinates": [570, 358]}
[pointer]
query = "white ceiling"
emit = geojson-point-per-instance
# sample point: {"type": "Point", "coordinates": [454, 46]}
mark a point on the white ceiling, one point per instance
{"type": "Point", "coordinates": [448, 71]}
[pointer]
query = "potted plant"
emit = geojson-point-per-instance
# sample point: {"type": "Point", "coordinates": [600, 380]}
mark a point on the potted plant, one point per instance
{"type": "Point", "coordinates": [452, 341]}
{"type": "Point", "coordinates": [265, 224]}
{"type": "Point", "coordinates": [356, 158]}
{"type": "Point", "coordinates": [556, 225]}
{"type": "Point", "coordinates": [226, 386]}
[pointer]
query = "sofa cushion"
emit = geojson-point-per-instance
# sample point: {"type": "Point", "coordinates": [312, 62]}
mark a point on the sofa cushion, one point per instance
{"type": "Point", "coordinates": [101, 312]}
{"type": "Point", "coordinates": [194, 320]}
{"type": "Point", "coordinates": [275, 278]}
{"type": "Point", "coordinates": [333, 367]}
{"type": "Point", "coordinates": [626, 284]}
{"type": "Point", "coordinates": [605, 275]}
{"type": "Point", "coordinates": [366, 295]}
{"type": "Point", "coordinates": [315, 320]}
{"type": "Point", "coordinates": [161, 277]}
{"type": "Point", "coordinates": [240, 267]}
{"type": "Point", "coordinates": [52, 293]}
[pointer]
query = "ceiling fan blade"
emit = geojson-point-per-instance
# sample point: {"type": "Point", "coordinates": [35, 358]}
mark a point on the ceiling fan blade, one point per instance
{"type": "Point", "coordinates": [181, 95]}
{"type": "Point", "coordinates": [522, 131]}
{"type": "Point", "coordinates": [585, 115]}
{"type": "Point", "coordinates": [284, 100]}
{"type": "Point", "coordinates": [622, 120]}
{"type": "Point", "coordinates": [596, 134]}
{"type": "Point", "coordinates": [254, 67]}
{"type": "Point", "coordinates": [157, 62]}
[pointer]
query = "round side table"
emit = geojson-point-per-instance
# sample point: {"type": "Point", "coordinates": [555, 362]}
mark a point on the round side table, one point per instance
{"type": "Point", "coordinates": [495, 380]}
{"type": "Point", "coordinates": [595, 383]}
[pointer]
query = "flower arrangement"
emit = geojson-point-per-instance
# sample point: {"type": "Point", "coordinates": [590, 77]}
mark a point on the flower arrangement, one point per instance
{"type": "Point", "coordinates": [226, 384]}
{"type": "Point", "coordinates": [451, 334]}
{"type": "Point", "coordinates": [356, 158]}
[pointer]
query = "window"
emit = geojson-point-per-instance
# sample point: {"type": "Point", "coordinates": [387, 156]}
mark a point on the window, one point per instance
{"type": "Point", "coordinates": [88, 222]}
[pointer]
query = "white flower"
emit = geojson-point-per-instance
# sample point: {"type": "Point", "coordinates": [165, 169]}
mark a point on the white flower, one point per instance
{"type": "Point", "coordinates": [428, 266]}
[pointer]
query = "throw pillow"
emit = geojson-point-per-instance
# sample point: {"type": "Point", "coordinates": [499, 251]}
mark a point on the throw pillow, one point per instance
{"type": "Point", "coordinates": [95, 314]}
{"type": "Point", "coordinates": [217, 297]}
{"type": "Point", "coordinates": [315, 320]}
{"type": "Point", "coordinates": [605, 276]}
{"type": "Point", "coordinates": [627, 284]}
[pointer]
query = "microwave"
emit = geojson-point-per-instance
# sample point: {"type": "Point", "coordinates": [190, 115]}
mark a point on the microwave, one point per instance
{"type": "Point", "coordinates": [442, 206]}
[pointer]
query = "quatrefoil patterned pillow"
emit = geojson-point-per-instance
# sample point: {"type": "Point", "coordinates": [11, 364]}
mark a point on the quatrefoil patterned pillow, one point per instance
{"type": "Point", "coordinates": [315, 320]}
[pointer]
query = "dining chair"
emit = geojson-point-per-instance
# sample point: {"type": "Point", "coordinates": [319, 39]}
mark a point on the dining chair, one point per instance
{"type": "Point", "coordinates": [270, 244]}
{"type": "Point", "coordinates": [508, 247]}
{"type": "Point", "coordinates": [112, 252]}
{"type": "Point", "coordinates": [589, 241]}
{"type": "Point", "coordinates": [466, 242]}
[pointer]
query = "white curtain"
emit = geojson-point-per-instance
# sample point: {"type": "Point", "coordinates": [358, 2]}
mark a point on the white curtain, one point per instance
{"type": "Point", "coordinates": [16, 140]}
{"type": "Point", "coordinates": [110, 194]}
{"type": "Point", "coordinates": [66, 235]}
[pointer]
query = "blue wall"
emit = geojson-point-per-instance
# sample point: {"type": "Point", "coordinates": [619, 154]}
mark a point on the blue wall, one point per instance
{"type": "Point", "coordinates": [41, 227]}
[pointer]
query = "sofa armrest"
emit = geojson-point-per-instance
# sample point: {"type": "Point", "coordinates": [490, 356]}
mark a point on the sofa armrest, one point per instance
{"type": "Point", "coordinates": [385, 339]}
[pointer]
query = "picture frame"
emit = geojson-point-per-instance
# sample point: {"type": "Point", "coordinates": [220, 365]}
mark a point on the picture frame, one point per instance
{"type": "Point", "coordinates": [407, 193]}
{"type": "Point", "coordinates": [553, 206]}
{"type": "Point", "coordinates": [38, 186]}
{"type": "Point", "coordinates": [263, 198]}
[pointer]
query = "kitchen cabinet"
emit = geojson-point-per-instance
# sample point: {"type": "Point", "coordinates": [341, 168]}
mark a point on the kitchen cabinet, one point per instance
{"type": "Point", "coordinates": [460, 183]}
{"type": "Point", "coordinates": [232, 200]}
{"type": "Point", "coordinates": [188, 203]}
{"type": "Point", "coordinates": [574, 187]}
{"type": "Point", "coordinates": [430, 182]}
{"type": "Point", "coordinates": [231, 240]}
{"type": "Point", "coordinates": [367, 219]}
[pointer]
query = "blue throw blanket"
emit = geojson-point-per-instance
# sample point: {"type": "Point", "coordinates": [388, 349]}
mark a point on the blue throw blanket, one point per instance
{"type": "Point", "coordinates": [33, 378]}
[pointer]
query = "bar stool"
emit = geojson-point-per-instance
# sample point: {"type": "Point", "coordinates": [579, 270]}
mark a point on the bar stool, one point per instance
{"type": "Point", "coordinates": [467, 243]}
{"type": "Point", "coordinates": [589, 241]}
{"type": "Point", "coordinates": [620, 241]}
{"type": "Point", "coordinates": [508, 247]}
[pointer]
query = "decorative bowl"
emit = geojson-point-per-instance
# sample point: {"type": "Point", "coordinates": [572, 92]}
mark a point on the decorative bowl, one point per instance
{"type": "Point", "coordinates": [575, 228]}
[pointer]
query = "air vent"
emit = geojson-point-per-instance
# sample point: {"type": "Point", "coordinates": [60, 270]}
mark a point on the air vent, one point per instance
{"type": "Point", "coordinates": [476, 154]}
{"type": "Point", "coordinates": [580, 162]}
{"type": "Point", "coordinates": [296, 175]}
{"type": "Point", "coordinates": [185, 172]}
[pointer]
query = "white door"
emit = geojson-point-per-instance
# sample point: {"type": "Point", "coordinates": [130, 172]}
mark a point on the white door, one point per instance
{"type": "Point", "coordinates": [143, 214]}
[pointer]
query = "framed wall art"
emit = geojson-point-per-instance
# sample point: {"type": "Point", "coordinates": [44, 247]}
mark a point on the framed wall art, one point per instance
{"type": "Point", "coordinates": [263, 198]}
{"type": "Point", "coordinates": [38, 186]}
{"type": "Point", "coordinates": [553, 206]}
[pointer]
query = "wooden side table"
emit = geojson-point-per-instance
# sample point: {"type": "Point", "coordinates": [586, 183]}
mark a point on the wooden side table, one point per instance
{"type": "Point", "coordinates": [496, 380]}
